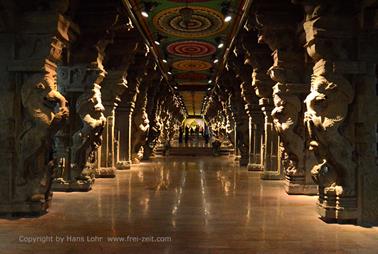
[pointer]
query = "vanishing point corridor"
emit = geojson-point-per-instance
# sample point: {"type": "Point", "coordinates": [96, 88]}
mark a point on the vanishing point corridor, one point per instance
{"type": "Point", "coordinates": [188, 126]}
{"type": "Point", "coordinates": [199, 205]}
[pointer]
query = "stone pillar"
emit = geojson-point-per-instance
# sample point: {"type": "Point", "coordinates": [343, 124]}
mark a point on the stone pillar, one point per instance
{"type": "Point", "coordinates": [279, 32]}
{"type": "Point", "coordinates": [154, 94]}
{"type": "Point", "coordinates": [256, 123]}
{"type": "Point", "coordinates": [82, 135]}
{"type": "Point", "coordinates": [31, 108]}
{"type": "Point", "coordinates": [259, 58]}
{"type": "Point", "coordinates": [141, 123]}
{"type": "Point", "coordinates": [252, 109]}
{"type": "Point", "coordinates": [339, 119]}
{"type": "Point", "coordinates": [124, 113]}
{"type": "Point", "coordinates": [120, 55]}
{"type": "Point", "coordinates": [271, 157]}
{"type": "Point", "coordinates": [113, 86]}
{"type": "Point", "coordinates": [123, 122]}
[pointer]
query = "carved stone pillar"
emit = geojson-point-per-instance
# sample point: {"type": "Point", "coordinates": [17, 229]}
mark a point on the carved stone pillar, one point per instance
{"type": "Point", "coordinates": [120, 55]}
{"type": "Point", "coordinates": [241, 125]}
{"type": "Point", "coordinates": [338, 117]}
{"type": "Point", "coordinates": [82, 136]}
{"type": "Point", "coordinates": [112, 87]}
{"type": "Point", "coordinates": [259, 58]}
{"type": "Point", "coordinates": [124, 113]}
{"type": "Point", "coordinates": [154, 94]}
{"type": "Point", "coordinates": [279, 31]}
{"type": "Point", "coordinates": [31, 108]}
{"type": "Point", "coordinates": [141, 123]}
{"type": "Point", "coordinates": [123, 123]}
{"type": "Point", "coordinates": [255, 117]}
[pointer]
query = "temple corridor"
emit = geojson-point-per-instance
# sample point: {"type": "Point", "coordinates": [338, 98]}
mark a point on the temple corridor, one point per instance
{"type": "Point", "coordinates": [196, 204]}
{"type": "Point", "coordinates": [188, 126]}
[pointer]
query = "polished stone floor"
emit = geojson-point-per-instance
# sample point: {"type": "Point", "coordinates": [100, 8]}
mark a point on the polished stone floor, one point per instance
{"type": "Point", "coordinates": [188, 205]}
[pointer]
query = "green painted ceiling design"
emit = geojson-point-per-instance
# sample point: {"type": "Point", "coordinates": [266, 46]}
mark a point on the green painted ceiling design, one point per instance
{"type": "Point", "coordinates": [188, 35]}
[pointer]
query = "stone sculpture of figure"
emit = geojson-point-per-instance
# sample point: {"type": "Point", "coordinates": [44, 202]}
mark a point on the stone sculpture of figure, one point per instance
{"type": "Point", "coordinates": [41, 123]}
{"type": "Point", "coordinates": [285, 118]}
{"type": "Point", "coordinates": [85, 141]}
{"type": "Point", "coordinates": [327, 110]}
{"type": "Point", "coordinates": [139, 134]}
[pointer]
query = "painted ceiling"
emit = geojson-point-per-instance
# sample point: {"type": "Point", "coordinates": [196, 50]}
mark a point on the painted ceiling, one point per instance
{"type": "Point", "coordinates": [190, 38]}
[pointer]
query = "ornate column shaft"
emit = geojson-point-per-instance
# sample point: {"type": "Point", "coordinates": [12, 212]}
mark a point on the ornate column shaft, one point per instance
{"type": "Point", "coordinates": [124, 113]}
{"type": "Point", "coordinates": [338, 116]}
{"type": "Point", "coordinates": [32, 110]}
{"type": "Point", "coordinates": [113, 86]}
{"type": "Point", "coordinates": [279, 31]}
{"type": "Point", "coordinates": [123, 124]}
{"type": "Point", "coordinates": [82, 136]}
{"type": "Point", "coordinates": [259, 58]}
{"type": "Point", "coordinates": [154, 93]}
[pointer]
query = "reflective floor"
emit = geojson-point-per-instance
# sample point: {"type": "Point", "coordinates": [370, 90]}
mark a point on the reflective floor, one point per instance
{"type": "Point", "coordinates": [183, 205]}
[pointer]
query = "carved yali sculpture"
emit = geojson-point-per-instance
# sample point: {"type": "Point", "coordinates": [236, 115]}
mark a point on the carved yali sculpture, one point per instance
{"type": "Point", "coordinates": [85, 141]}
{"type": "Point", "coordinates": [41, 123]}
{"type": "Point", "coordinates": [285, 118]}
{"type": "Point", "coordinates": [327, 110]}
{"type": "Point", "coordinates": [141, 125]}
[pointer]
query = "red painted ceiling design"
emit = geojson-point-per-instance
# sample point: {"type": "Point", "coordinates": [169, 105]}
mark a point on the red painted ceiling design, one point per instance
{"type": "Point", "coordinates": [191, 49]}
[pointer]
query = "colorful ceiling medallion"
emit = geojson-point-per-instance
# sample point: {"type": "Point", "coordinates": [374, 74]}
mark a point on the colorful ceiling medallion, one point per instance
{"type": "Point", "coordinates": [191, 76]}
{"type": "Point", "coordinates": [192, 65]}
{"type": "Point", "coordinates": [191, 49]}
{"type": "Point", "coordinates": [204, 22]}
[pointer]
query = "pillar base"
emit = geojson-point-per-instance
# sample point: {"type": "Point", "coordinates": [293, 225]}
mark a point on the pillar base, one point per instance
{"type": "Point", "coordinates": [337, 209]}
{"type": "Point", "coordinates": [105, 172]}
{"type": "Point", "coordinates": [60, 185]}
{"type": "Point", "coordinates": [270, 175]}
{"type": "Point", "coordinates": [254, 167]}
{"type": "Point", "coordinates": [296, 185]}
{"type": "Point", "coordinates": [32, 208]}
{"type": "Point", "coordinates": [122, 165]}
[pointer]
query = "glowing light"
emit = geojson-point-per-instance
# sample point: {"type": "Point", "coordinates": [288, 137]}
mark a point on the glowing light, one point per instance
{"type": "Point", "coordinates": [157, 42]}
{"type": "Point", "coordinates": [220, 45]}
{"type": "Point", "coordinates": [144, 14]}
{"type": "Point", "coordinates": [165, 61]}
{"type": "Point", "coordinates": [227, 19]}
{"type": "Point", "coordinates": [170, 73]}
{"type": "Point", "coordinates": [216, 60]}
{"type": "Point", "coordinates": [210, 81]}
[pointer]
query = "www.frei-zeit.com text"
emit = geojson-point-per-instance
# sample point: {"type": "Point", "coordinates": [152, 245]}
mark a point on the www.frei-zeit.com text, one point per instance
{"type": "Point", "coordinates": [93, 239]}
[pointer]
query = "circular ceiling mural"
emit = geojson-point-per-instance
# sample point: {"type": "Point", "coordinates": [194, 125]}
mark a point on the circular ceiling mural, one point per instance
{"type": "Point", "coordinates": [192, 65]}
{"type": "Point", "coordinates": [191, 76]}
{"type": "Point", "coordinates": [204, 22]}
{"type": "Point", "coordinates": [191, 48]}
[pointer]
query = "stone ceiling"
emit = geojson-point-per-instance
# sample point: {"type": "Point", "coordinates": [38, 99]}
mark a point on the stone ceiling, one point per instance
{"type": "Point", "coordinates": [190, 38]}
